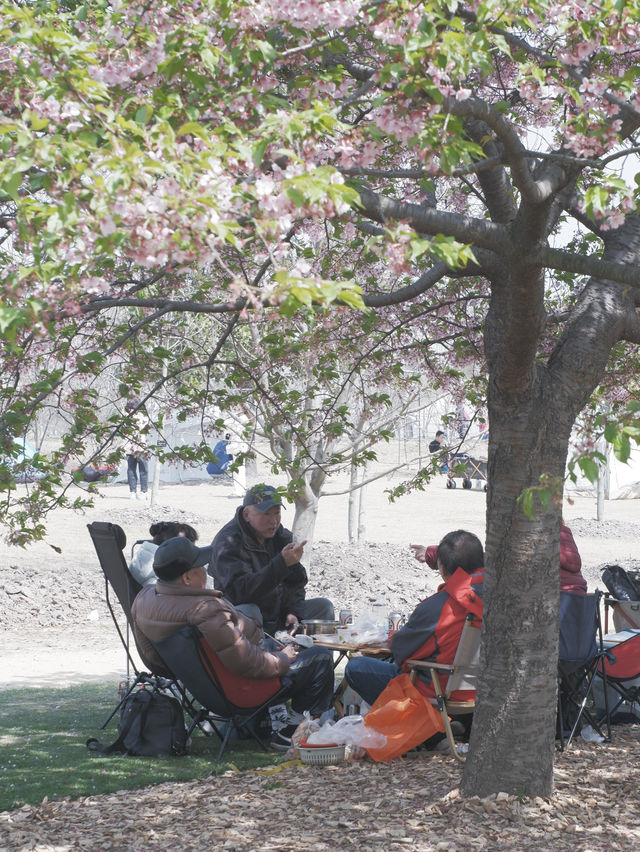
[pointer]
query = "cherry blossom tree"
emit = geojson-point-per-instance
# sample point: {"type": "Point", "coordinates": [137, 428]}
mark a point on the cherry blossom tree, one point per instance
{"type": "Point", "coordinates": [323, 393]}
{"type": "Point", "coordinates": [483, 153]}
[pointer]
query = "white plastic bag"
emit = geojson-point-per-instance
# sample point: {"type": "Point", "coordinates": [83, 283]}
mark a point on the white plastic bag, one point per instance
{"type": "Point", "coordinates": [350, 730]}
{"type": "Point", "coordinates": [367, 629]}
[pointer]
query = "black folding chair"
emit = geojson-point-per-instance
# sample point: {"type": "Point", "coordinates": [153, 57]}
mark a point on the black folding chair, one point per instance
{"type": "Point", "coordinates": [109, 541]}
{"type": "Point", "coordinates": [194, 663]}
{"type": "Point", "coordinates": [581, 651]}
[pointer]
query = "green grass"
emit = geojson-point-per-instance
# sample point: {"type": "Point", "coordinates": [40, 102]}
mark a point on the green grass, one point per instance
{"type": "Point", "coordinates": [43, 752]}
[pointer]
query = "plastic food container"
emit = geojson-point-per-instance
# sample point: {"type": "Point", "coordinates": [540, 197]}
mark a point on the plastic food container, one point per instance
{"type": "Point", "coordinates": [346, 634]}
{"type": "Point", "coordinates": [313, 627]}
{"type": "Point", "coordinates": [325, 754]}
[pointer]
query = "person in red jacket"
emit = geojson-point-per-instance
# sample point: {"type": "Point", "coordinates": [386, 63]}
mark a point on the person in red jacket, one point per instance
{"type": "Point", "coordinates": [571, 579]}
{"type": "Point", "coordinates": [434, 627]}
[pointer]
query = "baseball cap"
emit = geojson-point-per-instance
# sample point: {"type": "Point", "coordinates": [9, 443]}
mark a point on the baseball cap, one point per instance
{"type": "Point", "coordinates": [175, 556]}
{"type": "Point", "coordinates": [263, 497]}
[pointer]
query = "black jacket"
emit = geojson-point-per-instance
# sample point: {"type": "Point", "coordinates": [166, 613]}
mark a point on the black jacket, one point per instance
{"type": "Point", "coordinates": [247, 571]}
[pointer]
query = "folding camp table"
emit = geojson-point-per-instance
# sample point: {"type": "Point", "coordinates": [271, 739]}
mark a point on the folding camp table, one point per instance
{"type": "Point", "coordinates": [348, 649]}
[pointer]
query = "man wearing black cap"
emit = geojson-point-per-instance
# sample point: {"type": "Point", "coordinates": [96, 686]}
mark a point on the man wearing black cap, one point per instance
{"type": "Point", "coordinates": [180, 597]}
{"type": "Point", "coordinates": [256, 564]}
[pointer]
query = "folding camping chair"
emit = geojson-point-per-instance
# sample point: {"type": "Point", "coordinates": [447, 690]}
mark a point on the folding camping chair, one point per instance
{"type": "Point", "coordinates": [620, 671]}
{"type": "Point", "coordinates": [462, 678]}
{"type": "Point", "coordinates": [229, 702]}
{"type": "Point", "coordinates": [580, 652]}
{"type": "Point", "coordinates": [109, 541]}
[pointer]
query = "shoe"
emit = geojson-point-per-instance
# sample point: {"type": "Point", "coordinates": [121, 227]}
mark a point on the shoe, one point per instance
{"type": "Point", "coordinates": [144, 496]}
{"type": "Point", "coordinates": [132, 495]}
{"type": "Point", "coordinates": [281, 740]}
{"type": "Point", "coordinates": [278, 716]}
{"type": "Point", "coordinates": [457, 729]}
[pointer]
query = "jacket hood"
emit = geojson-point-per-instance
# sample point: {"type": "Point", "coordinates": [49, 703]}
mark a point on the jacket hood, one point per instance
{"type": "Point", "coordinates": [466, 589]}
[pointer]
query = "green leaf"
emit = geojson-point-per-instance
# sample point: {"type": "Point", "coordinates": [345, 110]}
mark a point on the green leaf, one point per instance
{"type": "Point", "coordinates": [144, 113]}
{"type": "Point", "coordinates": [611, 432]}
{"type": "Point", "coordinates": [296, 196]}
{"type": "Point", "coordinates": [589, 468]}
{"type": "Point", "coordinates": [622, 448]}
{"type": "Point", "coordinates": [194, 129]}
{"type": "Point", "coordinates": [527, 503]}
{"type": "Point", "coordinates": [259, 149]}
{"type": "Point", "coordinates": [267, 50]}
{"type": "Point", "coordinates": [11, 185]}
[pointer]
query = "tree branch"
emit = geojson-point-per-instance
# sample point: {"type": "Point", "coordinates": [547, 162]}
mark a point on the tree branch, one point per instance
{"type": "Point", "coordinates": [427, 280]}
{"type": "Point", "coordinates": [535, 191]}
{"type": "Point", "coordinates": [426, 220]}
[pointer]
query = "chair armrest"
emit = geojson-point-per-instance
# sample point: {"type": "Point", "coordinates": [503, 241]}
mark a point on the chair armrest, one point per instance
{"type": "Point", "coordinates": [426, 664]}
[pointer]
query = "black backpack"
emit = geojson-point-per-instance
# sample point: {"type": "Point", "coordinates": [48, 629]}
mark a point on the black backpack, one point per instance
{"type": "Point", "coordinates": [619, 584]}
{"type": "Point", "coordinates": [151, 725]}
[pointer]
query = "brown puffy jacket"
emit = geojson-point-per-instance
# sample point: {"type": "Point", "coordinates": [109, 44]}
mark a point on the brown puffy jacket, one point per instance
{"type": "Point", "coordinates": [159, 610]}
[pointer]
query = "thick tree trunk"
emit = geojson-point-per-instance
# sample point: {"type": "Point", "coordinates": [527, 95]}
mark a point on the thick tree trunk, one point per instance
{"type": "Point", "coordinates": [512, 745]}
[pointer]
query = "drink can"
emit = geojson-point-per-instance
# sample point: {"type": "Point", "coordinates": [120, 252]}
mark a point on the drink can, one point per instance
{"type": "Point", "coordinates": [396, 620]}
{"type": "Point", "coordinates": [345, 617]}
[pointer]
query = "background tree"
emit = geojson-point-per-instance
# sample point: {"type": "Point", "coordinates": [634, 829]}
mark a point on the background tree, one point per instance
{"type": "Point", "coordinates": [459, 143]}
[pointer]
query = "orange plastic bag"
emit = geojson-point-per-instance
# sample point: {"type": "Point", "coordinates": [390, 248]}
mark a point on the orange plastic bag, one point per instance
{"type": "Point", "coordinates": [404, 716]}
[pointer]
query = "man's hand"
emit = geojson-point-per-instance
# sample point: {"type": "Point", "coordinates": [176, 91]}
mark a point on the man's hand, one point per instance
{"type": "Point", "coordinates": [419, 551]}
{"type": "Point", "coordinates": [290, 651]}
{"type": "Point", "coordinates": [291, 623]}
{"type": "Point", "coordinates": [292, 552]}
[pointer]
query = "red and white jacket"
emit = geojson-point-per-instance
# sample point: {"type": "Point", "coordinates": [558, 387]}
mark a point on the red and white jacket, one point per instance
{"type": "Point", "coordinates": [434, 627]}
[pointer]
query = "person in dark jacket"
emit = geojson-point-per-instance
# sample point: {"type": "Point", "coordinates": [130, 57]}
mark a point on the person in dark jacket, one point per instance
{"type": "Point", "coordinates": [434, 627]}
{"type": "Point", "coordinates": [256, 564]}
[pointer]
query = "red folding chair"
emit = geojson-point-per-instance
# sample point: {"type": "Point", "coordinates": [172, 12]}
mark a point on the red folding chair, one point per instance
{"type": "Point", "coordinates": [621, 668]}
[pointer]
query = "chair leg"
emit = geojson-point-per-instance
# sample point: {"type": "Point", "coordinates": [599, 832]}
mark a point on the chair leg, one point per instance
{"type": "Point", "coordinates": [225, 739]}
{"type": "Point", "coordinates": [583, 714]}
{"type": "Point", "coordinates": [559, 717]}
{"type": "Point", "coordinates": [139, 679]}
{"type": "Point", "coordinates": [452, 743]}
{"type": "Point", "coordinates": [442, 706]}
{"type": "Point", "coordinates": [337, 698]}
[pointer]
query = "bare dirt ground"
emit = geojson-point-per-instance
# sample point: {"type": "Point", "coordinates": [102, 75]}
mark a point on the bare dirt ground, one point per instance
{"type": "Point", "coordinates": [57, 630]}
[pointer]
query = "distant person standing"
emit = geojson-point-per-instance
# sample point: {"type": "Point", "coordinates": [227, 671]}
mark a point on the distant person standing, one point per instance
{"type": "Point", "coordinates": [136, 450]}
{"type": "Point", "coordinates": [437, 444]}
